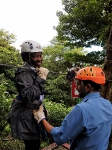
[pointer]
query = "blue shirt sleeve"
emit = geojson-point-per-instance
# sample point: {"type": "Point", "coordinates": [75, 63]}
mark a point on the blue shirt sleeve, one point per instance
{"type": "Point", "coordinates": [71, 126]}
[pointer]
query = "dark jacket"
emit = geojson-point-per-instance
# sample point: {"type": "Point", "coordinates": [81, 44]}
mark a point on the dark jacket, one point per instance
{"type": "Point", "coordinates": [30, 87]}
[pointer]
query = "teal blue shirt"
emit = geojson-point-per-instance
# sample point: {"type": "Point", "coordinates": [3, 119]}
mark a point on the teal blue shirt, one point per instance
{"type": "Point", "coordinates": [87, 126]}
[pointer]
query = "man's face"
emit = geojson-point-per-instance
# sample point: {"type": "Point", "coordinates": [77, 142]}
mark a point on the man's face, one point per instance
{"type": "Point", "coordinates": [36, 59]}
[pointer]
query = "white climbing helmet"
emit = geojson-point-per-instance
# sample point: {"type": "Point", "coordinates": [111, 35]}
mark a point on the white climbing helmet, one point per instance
{"type": "Point", "coordinates": [31, 46]}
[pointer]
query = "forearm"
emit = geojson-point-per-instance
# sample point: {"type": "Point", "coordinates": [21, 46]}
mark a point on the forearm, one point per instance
{"type": "Point", "coordinates": [47, 126]}
{"type": "Point", "coordinates": [40, 117]}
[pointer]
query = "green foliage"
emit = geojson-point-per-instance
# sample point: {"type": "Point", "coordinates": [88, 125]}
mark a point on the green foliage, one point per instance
{"type": "Point", "coordinates": [84, 22]}
{"type": "Point", "coordinates": [5, 101]}
{"type": "Point", "coordinates": [93, 58]}
{"type": "Point", "coordinates": [9, 59]}
{"type": "Point", "coordinates": [53, 58]}
{"type": "Point", "coordinates": [6, 38]}
{"type": "Point", "coordinates": [57, 59]}
{"type": "Point", "coordinates": [11, 144]}
{"type": "Point", "coordinates": [56, 112]}
{"type": "Point", "coordinates": [8, 56]}
{"type": "Point", "coordinates": [96, 57]}
{"type": "Point", "coordinates": [6, 130]}
{"type": "Point", "coordinates": [59, 90]}
{"type": "Point", "coordinates": [44, 144]}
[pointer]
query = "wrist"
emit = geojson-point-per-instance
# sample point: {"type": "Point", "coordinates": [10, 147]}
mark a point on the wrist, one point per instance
{"type": "Point", "coordinates": [43, 119]}
{"type": "Point", "coordinates": [39, 121]}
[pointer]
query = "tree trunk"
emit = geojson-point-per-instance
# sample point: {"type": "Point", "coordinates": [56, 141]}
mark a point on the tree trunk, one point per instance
{"type": "Point", "coordinates": [106, 90]}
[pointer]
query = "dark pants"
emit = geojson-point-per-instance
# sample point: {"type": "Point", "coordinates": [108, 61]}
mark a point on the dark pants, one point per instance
{"type": "Point", "coordinates": [32, 144]}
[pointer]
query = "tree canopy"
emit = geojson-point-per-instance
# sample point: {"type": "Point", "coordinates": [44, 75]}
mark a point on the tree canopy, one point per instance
{"type": "Point", "coordinates": [85, 22]}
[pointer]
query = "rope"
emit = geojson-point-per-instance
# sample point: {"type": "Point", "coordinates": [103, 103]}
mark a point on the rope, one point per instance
{"type": "Point", "coordinates": [11, 66]}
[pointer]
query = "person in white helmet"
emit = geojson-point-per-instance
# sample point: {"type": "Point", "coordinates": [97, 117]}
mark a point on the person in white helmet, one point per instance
{"type": "Point", "coordinates": [29, 81]}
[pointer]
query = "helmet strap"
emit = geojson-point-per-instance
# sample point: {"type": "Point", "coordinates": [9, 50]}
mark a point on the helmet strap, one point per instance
{"type": "Point", "coordinates": [29, 60]}
{"type": "Point", "coordinates": [29, 57]}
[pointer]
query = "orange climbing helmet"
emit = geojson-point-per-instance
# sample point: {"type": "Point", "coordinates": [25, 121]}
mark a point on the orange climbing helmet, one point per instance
{"type": "Point", "coordinates": [92, 73]}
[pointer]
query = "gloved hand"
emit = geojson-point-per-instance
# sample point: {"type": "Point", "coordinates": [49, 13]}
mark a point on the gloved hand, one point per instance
{"type": "Point", "coordinates": [39, 114]}
{"type": "Point", "coordinates": [42, 72]}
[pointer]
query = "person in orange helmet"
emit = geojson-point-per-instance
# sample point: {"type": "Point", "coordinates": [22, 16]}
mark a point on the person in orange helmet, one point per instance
{"type": "Point", "coordinates": [88, 125]}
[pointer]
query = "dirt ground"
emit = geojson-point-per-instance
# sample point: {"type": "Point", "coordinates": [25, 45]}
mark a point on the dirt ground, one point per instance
{"type": "Point", "coordinates": [54, 146]}
{"type": "Point", "coordinates": [60, 148]}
